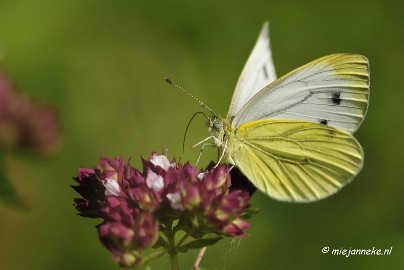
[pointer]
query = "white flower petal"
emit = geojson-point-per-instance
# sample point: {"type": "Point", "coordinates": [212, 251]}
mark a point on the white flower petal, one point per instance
{"type": "Point", "coordinates": [201, 175]}
{"type": "Point", "coordinates": [154, 182]}
{"type": "Point", "coordinates": [112, 187]}
{"type": "Point", "coordinates": [175, 201]}
{"type": "Point", "coordinates": [161, 161]}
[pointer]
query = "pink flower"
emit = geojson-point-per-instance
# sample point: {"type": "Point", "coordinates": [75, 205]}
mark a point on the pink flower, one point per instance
{"type": "Point", "coordinates": [135, 206]}
{"type": "Point", "coordinates": [25, 123]}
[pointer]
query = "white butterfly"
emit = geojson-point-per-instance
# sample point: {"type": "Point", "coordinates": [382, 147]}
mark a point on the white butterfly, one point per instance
{"type": "Point", "coordinates": [292, 136]}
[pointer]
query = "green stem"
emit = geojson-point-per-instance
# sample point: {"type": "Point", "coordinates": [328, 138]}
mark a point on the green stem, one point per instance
{"type": "Point", "coordinates": [163, 243]}
{"type": "Point", "coordinates": [172, 249]}
{"type": "Point", "coordinates": [154, 256]}
{"type": "Point", "coordinates": [174, 261]}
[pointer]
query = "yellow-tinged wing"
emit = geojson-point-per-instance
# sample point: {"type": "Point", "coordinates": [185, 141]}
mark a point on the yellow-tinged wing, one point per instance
{"type": "Point", "coordinates": [331, 90]}
{"type": "Point", "coordinates": [295, 160]}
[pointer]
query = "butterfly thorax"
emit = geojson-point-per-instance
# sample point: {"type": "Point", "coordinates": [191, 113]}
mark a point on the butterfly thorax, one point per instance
{"type": "Point", "coordinates": [222, 131]}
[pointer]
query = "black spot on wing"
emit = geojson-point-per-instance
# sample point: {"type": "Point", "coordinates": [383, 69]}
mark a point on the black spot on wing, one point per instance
{"type": "Point", "coordinates": [336, 98]}
{"type": "Point", "coordinates": [264, 69]}
{"type": "Point", "coordinates": [324, 122]}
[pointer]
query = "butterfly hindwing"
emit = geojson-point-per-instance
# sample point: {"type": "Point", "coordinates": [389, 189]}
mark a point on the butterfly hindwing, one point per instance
{"type": "Point", "coordinates": [295, 160]}
{"type": "Point", "coordinates": [332, 91]}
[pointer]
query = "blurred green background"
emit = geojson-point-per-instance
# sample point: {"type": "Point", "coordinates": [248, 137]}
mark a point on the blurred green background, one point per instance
{"type": "Point", "coordinates": [103, 63]}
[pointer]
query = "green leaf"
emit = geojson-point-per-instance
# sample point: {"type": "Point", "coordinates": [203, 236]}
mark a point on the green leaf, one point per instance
{"type": "Point", "coordinates": [183, 224]}
{"type": "Point", "coordinates": [200, 243]}
{"type": "Point", "coordinates": [8, 195]}
{"type": "Point", "coordinates": [250, 212]}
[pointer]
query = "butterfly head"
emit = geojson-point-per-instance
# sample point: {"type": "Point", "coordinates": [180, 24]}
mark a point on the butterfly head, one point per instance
{"type": "Point", "coordinates": [216, 126]}
{"type": "Point", "coordinates": [214, 123]}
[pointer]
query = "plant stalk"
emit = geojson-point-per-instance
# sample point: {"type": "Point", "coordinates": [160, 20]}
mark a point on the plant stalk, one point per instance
{"type": "Point", "coordinates": [173, 252]}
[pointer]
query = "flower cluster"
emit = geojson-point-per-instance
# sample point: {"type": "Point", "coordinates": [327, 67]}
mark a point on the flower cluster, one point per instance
{"type": "Point", "coordinates": [25, 123]}
{"type": "Point", "coordinates": [145, 209]}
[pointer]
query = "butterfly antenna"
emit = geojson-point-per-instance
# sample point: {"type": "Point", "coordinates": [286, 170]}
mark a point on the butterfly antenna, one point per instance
{"type": "Point", "coordinates": [186, 130]}
{"type": "Point", "coordinates": [189, 94]}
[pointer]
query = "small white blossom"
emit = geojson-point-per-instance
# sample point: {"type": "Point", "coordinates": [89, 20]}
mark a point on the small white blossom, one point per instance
{"type": "Point", "coordinates": [201, 176]}
{"type": "Point", "coordinates": [161, 161]}
{"type": "Point", "coordinates": [112, 187]}
{"type": "Point", "coordinates": [175, 201]}
{"type": "Point", "coordinates": [154, 182]}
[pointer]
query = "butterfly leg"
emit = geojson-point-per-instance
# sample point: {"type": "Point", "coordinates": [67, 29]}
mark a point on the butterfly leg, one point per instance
{"type": "Point", "coordinates": [216, 143]}
{"type": "Point", "coordinates": [222, 155]}
{"type": "Point", "coordinates": [204, 140]}
{"type": "Point", "coordinates": [203, 148]}
{"type": "Point", "coordinates": [231, 161]}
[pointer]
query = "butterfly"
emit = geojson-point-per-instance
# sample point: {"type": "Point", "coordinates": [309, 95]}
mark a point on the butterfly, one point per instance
{"type": "Point", "coordinates": [292, 136]}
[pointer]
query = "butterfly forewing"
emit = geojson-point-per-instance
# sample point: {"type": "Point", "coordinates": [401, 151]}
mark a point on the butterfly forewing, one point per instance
{"type": "Point", "coordinates": [258, 72]}
{"type": "Point", "coordinates": [332, 91]}
{"type": "Point", "coordinates": [295, 160]}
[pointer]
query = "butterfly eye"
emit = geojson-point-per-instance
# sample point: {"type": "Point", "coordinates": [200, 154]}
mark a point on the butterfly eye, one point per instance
{"type": "Point", "coordinates": [217, 125]}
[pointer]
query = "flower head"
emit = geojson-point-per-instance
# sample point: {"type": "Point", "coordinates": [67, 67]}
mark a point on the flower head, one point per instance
{"type": "Point", "coordinates": [137, 208]}
{"type": "Point", "coordinates": [25, 123]}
